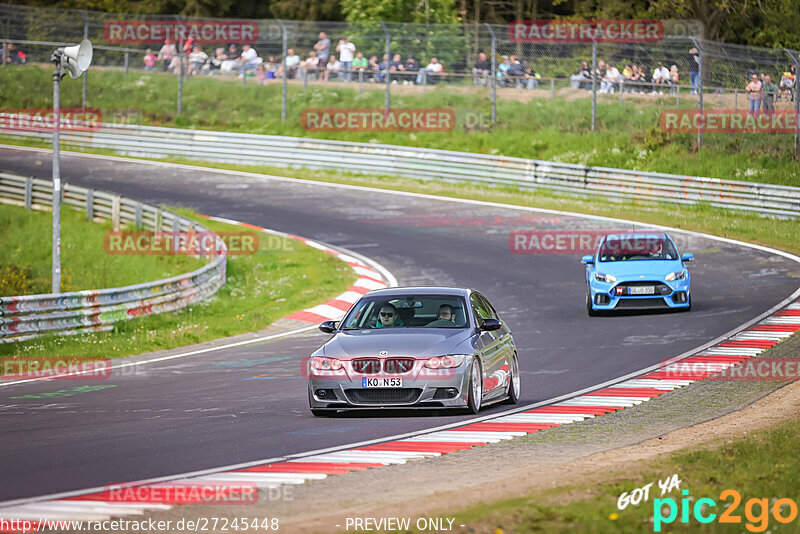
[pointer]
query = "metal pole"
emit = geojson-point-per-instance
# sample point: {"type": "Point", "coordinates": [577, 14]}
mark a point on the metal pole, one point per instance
{"type": "Point", "coordinates": [552, 89]}
{"type": "Point", "coordinates": [594, 84]}
{"type": "Point", "coordinates": [494, 73]}
{"type": "Point", "coordinates": [127, 60]}
{"type": "Point", "coordinates": [388, 59]}
{"type": "Point", "coordinates": [677, 96]}
{"type": "Point", "coordinates": [360, 81]}
{"type": "Point", "coordinates": [56, 250]}
{"type": "Point", "coordinates": [735, 99]}
{"type": "Point", "coordinates": [5, 53]}
{"type": "Point", "coordinates": [285, 70]}
{"type": "Point", "coordinates": [699, 91]}
{"type": "Point", "coordinates": [796, 102]}
{"type": "Point", "coordinates": [85, 74]}
{"type": "Point", "coordinates": [180, 71]}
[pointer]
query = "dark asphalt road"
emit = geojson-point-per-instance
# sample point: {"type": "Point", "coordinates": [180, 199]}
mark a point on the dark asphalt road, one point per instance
{"type": "Point", "coordinates": [206, 411]}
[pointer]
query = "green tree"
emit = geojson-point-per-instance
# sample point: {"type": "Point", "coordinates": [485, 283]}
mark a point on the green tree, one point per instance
{"type": "Point", "coordinates": [419, 11]}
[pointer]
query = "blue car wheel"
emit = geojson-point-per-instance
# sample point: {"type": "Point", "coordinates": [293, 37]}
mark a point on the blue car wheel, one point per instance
{"type": "Point", "coordinates": [589, 308]}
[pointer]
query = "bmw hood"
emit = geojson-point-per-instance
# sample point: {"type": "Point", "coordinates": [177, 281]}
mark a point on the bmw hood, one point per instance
{"type": "Point", "coordinates": [414, 342]}
{"type": "Point", "coordinates": [633, 270]}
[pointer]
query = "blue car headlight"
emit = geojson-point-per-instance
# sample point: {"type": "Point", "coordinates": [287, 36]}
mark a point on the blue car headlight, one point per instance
{"type": "Point", "coordinates": [678, 275]}
{"type": "Point", "coordinates": [607, 278]}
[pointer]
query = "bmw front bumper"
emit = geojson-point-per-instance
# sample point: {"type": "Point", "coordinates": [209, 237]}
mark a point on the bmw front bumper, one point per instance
{"type": "Point", "coordinates": [447, 388]}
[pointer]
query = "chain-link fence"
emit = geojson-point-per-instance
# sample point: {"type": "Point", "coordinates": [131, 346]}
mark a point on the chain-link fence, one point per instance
{"type": "Point", "coordinates": [412, 65]}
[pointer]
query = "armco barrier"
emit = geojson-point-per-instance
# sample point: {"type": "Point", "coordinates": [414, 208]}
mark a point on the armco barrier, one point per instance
{"type": "Point", "coordinates": [93, 310]}
{"type": "Point", "coordinates": [147, 141]}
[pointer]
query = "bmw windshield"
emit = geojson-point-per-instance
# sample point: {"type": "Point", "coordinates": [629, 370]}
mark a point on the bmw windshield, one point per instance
{"type": "Point", "coordinates": [407, 311]}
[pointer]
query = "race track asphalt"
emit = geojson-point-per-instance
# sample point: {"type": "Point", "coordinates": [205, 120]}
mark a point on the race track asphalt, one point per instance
{"type": "Point", "coordinates": [249, 403]}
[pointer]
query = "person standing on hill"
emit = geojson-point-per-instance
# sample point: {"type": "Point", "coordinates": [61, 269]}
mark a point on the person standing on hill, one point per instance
{"type": "Point", "coordinates": [770, 90]}
{"type": "Point", "coordinates": [693, 58]}
{"type": "Point", "coordinates": [323, 48]}
{"type": "Point", "coordinates": [754, 91]}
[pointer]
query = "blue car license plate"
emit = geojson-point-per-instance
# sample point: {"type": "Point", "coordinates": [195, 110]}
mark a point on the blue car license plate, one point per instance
{"type": "Point", "coordinates": [642, 290]}
{"type": "Point", "coordinates": [381, 382]}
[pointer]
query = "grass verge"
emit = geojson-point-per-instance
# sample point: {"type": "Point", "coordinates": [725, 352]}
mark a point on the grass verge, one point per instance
{"type": "Point", "coordinates": [282, 277]}
{"type": "Point", "coordinates": [762, 465]}
{"type": "Point", "coordinates": [26, 270]}
{"type": "Point", "coordinates": [529, 124]}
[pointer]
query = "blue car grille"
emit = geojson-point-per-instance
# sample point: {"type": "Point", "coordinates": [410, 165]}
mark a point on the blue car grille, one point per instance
{"type": "Point", "coordinates": [660, 288]}
{"type": "Point", "coordinates": [651, 302]}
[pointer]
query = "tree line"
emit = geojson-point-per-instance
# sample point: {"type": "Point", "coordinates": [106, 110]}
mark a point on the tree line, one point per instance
{"type": "Point", "coordinates": [769, 23]}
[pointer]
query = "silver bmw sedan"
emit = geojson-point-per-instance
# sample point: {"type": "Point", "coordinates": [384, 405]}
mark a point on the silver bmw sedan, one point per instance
{"type": "Point", "coordinates": [415, 347]}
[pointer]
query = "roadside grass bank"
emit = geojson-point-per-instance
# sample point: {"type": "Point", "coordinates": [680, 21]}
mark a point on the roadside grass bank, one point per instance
{"type": "Point", "coordinates": [761, 466]}
{"type": "Point", "coordinates": [283, 276]}
{"type": "Point", "coordinates": [627, 136]}
{"type": "Point", "coordinates": [26, 269]}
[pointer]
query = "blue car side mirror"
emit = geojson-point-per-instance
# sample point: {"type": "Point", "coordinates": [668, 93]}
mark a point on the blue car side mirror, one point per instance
{"type": "Point", "coordinates": [588, 259]}
{"type": "Point", "coordinates": [687, 256]}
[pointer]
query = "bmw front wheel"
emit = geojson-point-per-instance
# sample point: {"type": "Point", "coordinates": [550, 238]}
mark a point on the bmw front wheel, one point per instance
{"type": "Point", "coordinates": [475, 387]}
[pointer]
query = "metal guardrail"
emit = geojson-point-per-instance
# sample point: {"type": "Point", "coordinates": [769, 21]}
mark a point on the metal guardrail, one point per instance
{"type": "Point", "coordinates": [425, 163]}
{"type": "Point", "coordinates": [27, 316]}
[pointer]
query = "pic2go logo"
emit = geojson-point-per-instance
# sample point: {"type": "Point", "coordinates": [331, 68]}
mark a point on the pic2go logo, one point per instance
{"type": "Point", "coordinates": [756, 511]}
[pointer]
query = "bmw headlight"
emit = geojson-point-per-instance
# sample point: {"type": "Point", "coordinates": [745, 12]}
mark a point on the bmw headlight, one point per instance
{"type": "Point", "coordinates": [326, 364]}
{"type": "Point", "coordinates": [445, 362]}
{"type": "Point", "coordinates": [671, 277]}
{"type": "Point", "coordinates": [607, 278]}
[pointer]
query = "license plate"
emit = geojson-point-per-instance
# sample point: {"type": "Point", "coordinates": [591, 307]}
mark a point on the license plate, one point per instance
{"type": "Point", "coordinates": [381, 382]}
{"type": "Point", "coordinates": [642, 290]}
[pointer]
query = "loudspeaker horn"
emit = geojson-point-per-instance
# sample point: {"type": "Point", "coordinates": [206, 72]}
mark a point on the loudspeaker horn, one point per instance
{"type": "Point", "coordinates": [78, 58]}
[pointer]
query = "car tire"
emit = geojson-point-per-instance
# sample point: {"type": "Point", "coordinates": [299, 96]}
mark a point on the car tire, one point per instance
{"type": "Point", "coordinates": [514, 384]}
{"type": "Point", "coordinates": [689, 307]}
{"type": "Point", "coordinates": [589, 309]}
{"type": "Point", "coordinates": [475, 387]}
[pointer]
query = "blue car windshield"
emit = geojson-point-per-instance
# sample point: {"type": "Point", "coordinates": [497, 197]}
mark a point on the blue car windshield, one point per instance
{"type": "Point", "coordinates": [407, 311]}
{"type": "Point", "coordinates": [632, 248]}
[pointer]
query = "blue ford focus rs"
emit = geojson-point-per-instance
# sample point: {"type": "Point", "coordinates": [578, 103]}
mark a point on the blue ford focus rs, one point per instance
{"type": "Point", "coordinates": [640, 270]}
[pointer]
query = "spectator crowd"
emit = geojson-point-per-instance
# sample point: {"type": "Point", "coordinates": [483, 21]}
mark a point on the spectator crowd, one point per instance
{"type": "Point", "coordinates": [344, 62]}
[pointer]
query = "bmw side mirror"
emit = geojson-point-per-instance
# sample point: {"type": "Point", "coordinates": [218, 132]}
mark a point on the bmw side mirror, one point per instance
{"type": "Point", "coordinates": [688, 256]}
{"type": "Point", "coordinates": [588, 259]}
{"type": "Point", "coordinates": [490, 324]}
{"type": "Point", "coordinates": [329, 327]}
